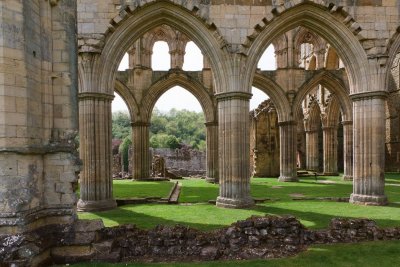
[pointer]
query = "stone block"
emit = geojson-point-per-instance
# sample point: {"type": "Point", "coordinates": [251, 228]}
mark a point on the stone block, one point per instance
{"type": "Point", "coordinates": [88, 225]}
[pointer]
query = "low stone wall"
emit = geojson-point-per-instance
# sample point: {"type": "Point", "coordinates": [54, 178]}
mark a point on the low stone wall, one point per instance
{"type": "Point", "coordinates": [254, 238]}
{"type": "Point", "coordinates": [182, 162]}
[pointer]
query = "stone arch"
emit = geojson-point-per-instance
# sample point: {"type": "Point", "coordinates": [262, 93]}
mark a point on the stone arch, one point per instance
{"type": "Point", "coordinates": [333, 24]}
{"type": "Point", "coordinates": [312, 65]}
{"type": "Point", "coordinates": [179, 79]}
{"type": "Point", "coordinates": [161, 33]}
{"type": "Point", "coordinates": [312, 118]}
{"type": "Point", "coordinates": [304, 35]}
{"type": "Point", "coordinates": [129, 99]}
{"type": "Point", "coordinates": [334, 85]}
{"type": "Point", "coordinates": [332, 59]}
{"type": "Point", "coordinates": [131, 24]}
{"type": "Point", "coordinates": [392, 50]}
{"type": "Point", "coordinates": [332, 112]}
{"type": "Point", "coordinates": [276, 93]}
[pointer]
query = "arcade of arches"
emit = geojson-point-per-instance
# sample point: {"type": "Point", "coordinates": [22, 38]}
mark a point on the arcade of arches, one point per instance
{"type": "Point", "coordinates": [333, 107]}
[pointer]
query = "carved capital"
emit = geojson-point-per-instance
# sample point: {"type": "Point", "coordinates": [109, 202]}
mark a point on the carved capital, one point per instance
{"type": "Point", "coordinates": [233, 95]}
{"type": "Point", "coordinates": [95, 95]}
{"type": "Point", "coordinates": [369, 95]}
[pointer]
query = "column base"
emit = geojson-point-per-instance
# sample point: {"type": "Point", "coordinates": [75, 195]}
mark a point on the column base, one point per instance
{"type": "Point", "coordinates": [234, 203]}
{"type": "Point", "coordinates": [368, 200]}
{"type": "Point", "coordinates": [331, 174]}
{"type": "Point", "coordinates": [288, 179]}
{"type": "Point", "coordinates": [347, 178]}
{"type": "Point", "coordinates": [212, 180]}
{"type": "Point", "coordinates": [99, 205]}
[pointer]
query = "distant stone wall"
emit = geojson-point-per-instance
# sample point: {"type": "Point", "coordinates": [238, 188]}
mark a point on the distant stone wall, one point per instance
{"type": "Point", "coordinates": [182, 162]}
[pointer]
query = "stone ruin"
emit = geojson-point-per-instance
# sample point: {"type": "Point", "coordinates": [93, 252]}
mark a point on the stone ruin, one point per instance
{"type": "Point", "coordinates": [171, 163]}
{"type": "Point", "coordinates": [158, 169]}
{"type": "Point", "coordinates": [253, 238]}
{"type": "Point", "coordinates": [264, 141]}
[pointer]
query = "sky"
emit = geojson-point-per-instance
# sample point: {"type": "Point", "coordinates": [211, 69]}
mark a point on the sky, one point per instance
{"type": "Point", "coordinates": [193, 61]}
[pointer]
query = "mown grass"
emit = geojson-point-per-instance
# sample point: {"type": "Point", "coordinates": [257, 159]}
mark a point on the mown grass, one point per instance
{"type": "Point", "coordinates": [369, 254]}
{"type": "Point", "coordinates": [194, 210]}
{"type": "Point", "coordinates": [141, 189]}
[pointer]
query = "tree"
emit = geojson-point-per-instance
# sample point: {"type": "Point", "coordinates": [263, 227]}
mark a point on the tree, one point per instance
{"type": "Point", "coordinates": [121, 125]}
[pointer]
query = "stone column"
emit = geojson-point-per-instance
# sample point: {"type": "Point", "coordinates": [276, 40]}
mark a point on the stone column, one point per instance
{"type": "Point", "coordinates": [288, 145]}
{"type": "Point", "coordinates": [348, 150]}
{"type": "Point", "coordinates": [234, 146]}
{"type": "Point", "coordinates": [369, 149]}
{"type": "Point", "coordinates": [95, 152]}
{"type": "Point", "coordinates": [330, 150]}
{"type": "Point", "coordinates": [312, 150]}
{"type": "Point", "coordinates": [141, 154]}
{"type": "Point", "coordinates": [177, 58]}
{"type": "Point", "coordinates": [212, 152]}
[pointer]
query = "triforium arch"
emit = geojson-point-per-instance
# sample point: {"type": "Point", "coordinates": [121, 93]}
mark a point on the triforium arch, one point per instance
{"type": "Point", "coordinates": [98, 73]}
{"type": "Point", "coordinates": [208, 104]}
{"type": "Point", "coordinates": [365, 75]}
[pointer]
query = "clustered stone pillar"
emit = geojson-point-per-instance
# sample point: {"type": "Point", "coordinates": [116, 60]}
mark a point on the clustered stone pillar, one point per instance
{"type": "Point", "coordinates": [369, 149]}
{"type": "Point", "coordinates": [330, 150]}
{"type": "Point", "coordinates": [348, 150]}
{"type": "Point", "coordinates": [212, 152]}
{"type": "Point", "coordinates": [234, 146]}
{"type": "Point", "coordinates": [141, 153]}
{"type": "Point", "coordinates": [312, 150]}
{"type": "Point", "coordinates": [95, 152]}
{"type": "Point", "coordinates": [288, 145]}
{"type": "Point", "coordinates": [177, 58]}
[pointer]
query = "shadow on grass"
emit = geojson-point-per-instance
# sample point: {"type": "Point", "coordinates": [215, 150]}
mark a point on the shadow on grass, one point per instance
{"type": "Point", "coordinates": [126, 215]}
{"type": "Point", "coordinates": [321, 220]}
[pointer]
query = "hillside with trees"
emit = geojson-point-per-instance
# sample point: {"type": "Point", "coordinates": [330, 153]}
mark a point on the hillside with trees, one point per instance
{"type": "Point", "coordinates": [172, 129]}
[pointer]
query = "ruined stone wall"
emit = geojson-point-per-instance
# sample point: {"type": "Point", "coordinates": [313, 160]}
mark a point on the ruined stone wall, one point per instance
{"type": "Point", "coordinates": [38, 108]}
{"type": "Point", "coordinates": [253, 238]}
{"type": "Point", "coordinates": [265, 140]}
{"type": "Point", "coordinates": [182, 162]}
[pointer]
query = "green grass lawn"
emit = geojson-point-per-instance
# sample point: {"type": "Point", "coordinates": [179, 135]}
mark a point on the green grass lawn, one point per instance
{"type": "Point", "coordinates": [194, 210]}
{"type": "Point", "coordinates": [370, 254]}
{"type": "Point", "coordinates": [141, 189]}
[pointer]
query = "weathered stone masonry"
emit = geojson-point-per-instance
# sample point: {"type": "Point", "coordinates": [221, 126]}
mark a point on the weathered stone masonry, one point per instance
{"type": "Point", "coordinates": [349, 48]}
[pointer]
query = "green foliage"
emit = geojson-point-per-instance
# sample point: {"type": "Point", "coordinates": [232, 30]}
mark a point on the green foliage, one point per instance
{"type": "Point", "coordinates": [177, 127]}
{"type": "Point", "coordinates": [121, 125]}
{"type": "Point", "coordinates": [164, 140]}
{"type": "Point", "coordinates": [124, 150]}
{"type": "Point", "coordinates": [167, 130]}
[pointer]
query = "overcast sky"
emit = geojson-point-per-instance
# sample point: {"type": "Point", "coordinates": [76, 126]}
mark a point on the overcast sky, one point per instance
{"type": "Point", "coordinates": [193, 61]}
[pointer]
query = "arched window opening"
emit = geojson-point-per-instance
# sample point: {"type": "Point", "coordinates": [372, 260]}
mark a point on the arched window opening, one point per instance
{"type": "Point", "coordinates": [257, 98]}
{"type": "Point", "coordinates": [124, 64]}
{"type": "Point", "coordinates": [178, 124]}
{"type": "Point", "coordinates": [306, 54]}
{"type": "Point", "coordinates": [193, 60]}
{"type": "Point", "coordinates": [160, 59]}
{"type": "Point", "coordinates": [121, 136]}
{"type": "Point", "coordinates": [268, 60]}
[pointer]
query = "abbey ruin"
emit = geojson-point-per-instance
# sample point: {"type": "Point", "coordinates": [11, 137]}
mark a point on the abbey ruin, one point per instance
{"type": "Point", "coordinates": [337, 71]}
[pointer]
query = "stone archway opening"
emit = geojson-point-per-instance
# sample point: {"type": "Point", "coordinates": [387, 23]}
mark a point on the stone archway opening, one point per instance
{"type": "Point", "coordinates": [301, 57]}
{"type": "Point", "coordinates": [178, 135]}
